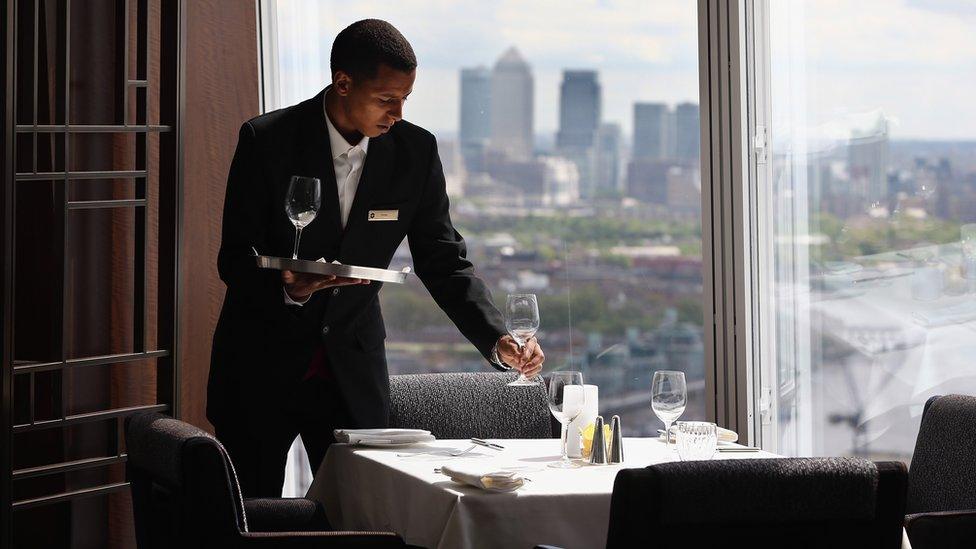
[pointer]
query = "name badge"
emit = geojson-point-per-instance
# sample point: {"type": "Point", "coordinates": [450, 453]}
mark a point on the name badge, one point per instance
{"type": "Point", "coordinates": [383, 215]}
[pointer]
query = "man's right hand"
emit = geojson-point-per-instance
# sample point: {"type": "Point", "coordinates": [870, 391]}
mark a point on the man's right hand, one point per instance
{"type": "Point", "coordinates": [300, 286]}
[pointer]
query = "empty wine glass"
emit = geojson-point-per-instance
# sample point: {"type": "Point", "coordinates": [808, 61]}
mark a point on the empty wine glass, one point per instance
{"type": "Point", "coordinates": [668, 398]}
{"type": "Point", "coordinates": [522, 322]}
{"type": "Point", "coordinates": [302, 204]}
{"type": "Point", "coordinates": [566, 400]}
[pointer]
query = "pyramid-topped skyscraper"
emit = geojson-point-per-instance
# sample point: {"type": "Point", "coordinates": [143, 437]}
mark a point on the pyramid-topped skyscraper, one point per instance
{"type": "Point", "coordinates": [511, 105]}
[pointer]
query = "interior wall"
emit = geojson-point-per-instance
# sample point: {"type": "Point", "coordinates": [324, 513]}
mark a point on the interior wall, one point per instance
{"type": "Point", "coordinates": [221, 93]}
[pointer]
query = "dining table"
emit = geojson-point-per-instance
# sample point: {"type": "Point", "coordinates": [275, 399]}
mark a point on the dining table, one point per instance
{"type": "Point", "coordinates": [403, 490]}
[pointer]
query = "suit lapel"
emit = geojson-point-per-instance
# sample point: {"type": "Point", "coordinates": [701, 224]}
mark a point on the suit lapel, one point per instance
{"type": "Point", "coordinates": [376, 177]}
{"type": "Point", "coordinates": [316, 161]}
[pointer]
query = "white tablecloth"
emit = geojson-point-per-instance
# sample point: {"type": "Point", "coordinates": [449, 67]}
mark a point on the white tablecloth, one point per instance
{"type": "Point", "coordinates": [374, 489]}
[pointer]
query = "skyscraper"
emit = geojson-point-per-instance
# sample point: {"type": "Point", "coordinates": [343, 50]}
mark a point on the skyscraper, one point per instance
{"type": "Point", "coordinates": [511, 105]}
{"type": "Point", "coordinates": [651, 130]}
{"type": "Point", "coordinates": [579, 110]}
{"type": "Point", "coordinates": [687, 131]}
{"type": "Point", "coordinates": [475, 130]}
{"type": "Point", "coordinates": [609, 151]}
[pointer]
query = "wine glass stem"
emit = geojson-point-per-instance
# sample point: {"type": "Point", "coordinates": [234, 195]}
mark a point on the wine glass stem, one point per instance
{"type": "Point", "coordinates": [667, 434]}
{"type": "Point", "coordinates": [298, 238]}
{"type": "Point", "coordinates": [565, 442]}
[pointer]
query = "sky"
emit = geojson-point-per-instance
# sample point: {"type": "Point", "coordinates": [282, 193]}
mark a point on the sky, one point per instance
{"type": "Point", "coordinates": [912, 60]}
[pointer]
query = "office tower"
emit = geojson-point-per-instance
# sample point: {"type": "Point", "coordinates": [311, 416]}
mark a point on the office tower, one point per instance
{"type": "Point", "coordinates": [651, 129]}
{"type": "Point", "coordinates": [475, 130]}
{"type": "Point", "coordinates": [687, 131]}
{"type": "Point", "coordinates": [511, 105]}
{"type": "Point", "coordinates": [579, 110]}
{"type": "Point", "coordinates": [608, 151]}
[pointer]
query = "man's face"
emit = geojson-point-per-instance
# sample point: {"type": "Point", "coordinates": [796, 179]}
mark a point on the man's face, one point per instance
{"type": "Point", "coordinates": [373, 105]}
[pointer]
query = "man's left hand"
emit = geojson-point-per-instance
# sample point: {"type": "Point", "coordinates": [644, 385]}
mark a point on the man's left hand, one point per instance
{"type": "Point", "coordinates": [528, 361]}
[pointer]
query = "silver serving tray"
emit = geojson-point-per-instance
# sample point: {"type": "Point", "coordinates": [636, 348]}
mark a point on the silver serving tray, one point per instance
{"type": "Point", "coordinates": [318, 267]}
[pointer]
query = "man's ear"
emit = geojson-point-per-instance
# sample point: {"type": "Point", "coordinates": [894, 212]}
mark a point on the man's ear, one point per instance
{"type": "Point", "coordinates": [342, 83]}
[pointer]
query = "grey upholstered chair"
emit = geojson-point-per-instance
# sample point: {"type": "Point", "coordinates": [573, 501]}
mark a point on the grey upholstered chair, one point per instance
{"type": "Point", "coordinates": [185, 494]}
{"type": "Point", "coordinates": [942, 478]}
{"type": "Point", "coordinates": [762, 503]}
{"type": "Point", "coordinates": [465, 405]}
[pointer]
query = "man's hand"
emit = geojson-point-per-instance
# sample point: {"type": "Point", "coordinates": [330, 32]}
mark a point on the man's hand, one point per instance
{"type": "Point", "coordinates": [528, 361]}
{"type": "Point", "coordinates": [301, 285]}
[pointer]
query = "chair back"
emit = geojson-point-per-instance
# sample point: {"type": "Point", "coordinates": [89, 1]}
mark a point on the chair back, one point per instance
{"type": "Point", "coordinates": [791, 502]}
{"type": "Point", "coordinates": [943, 469]}
{"type": "Point", "coordinates": [184, 489]}
{"type": "Point", "coordinates": [465, 405]}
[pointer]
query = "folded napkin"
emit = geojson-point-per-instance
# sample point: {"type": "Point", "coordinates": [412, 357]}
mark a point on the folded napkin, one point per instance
{"type": "Point", "coordinates": [382, 436]}
{"type": "Point", "coordinates": [483, 477]}
{"type": "Point", "coordinates": [724, 435]}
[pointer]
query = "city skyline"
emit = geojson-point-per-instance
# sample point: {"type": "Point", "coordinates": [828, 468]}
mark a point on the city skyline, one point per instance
{"type": "Point", "coordinates": [649, 52]}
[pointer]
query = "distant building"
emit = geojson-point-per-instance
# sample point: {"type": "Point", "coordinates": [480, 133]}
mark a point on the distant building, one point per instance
{"type": "Point", "coordinates": [684, 188]}
{"type": "Point", "coordinates": [453, 166]}
{"type": "Point", "coordinates": [475, 125]}
{"type": "Point", "coordinates": [511, 106]}
{"type": "Point", "coordinates": [647, 180]}
{"type": "Point", "coordinates": [561, 181]}
{"type": "Point", "coordinates": [579, 110]}
{"type": "Point", "coordinates": [687, 131]}
{"type": "Point", "coordinates": [651, 131]}
{"type": "Point", "coordinates": [579, 118]}
{"type": "Point", "coordinates": [543, 181]}
{"type": "Point", "coordinates": [608, 152]}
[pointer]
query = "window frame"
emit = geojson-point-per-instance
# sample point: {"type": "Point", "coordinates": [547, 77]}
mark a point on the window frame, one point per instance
{"type": "Point", "coordinates": [728, 102]}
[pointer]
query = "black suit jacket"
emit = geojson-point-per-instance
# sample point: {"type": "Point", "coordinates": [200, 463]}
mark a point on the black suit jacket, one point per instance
{"type": "Point", "coordinates": [262, 347]}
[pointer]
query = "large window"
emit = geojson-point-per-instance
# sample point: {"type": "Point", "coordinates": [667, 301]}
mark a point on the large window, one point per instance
{"type": "Point", "coordinates": [569, 135]}
{"type": "Point", "coordinates": [868, 188]}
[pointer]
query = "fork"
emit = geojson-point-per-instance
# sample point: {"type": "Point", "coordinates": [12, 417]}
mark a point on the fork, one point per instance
{"type": "Point", "coordinates": [455, 453]}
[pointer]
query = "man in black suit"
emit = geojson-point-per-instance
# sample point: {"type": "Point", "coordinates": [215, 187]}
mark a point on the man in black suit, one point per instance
{"type": "Point", "coordinates": [304, 354]}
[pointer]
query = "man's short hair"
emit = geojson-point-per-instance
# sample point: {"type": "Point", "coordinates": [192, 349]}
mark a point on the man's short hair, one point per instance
{"type": "Point", "coordinates": [361, 47]}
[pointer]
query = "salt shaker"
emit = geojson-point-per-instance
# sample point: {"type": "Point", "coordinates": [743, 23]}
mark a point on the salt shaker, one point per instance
{"type": "Point", "coordinates": [598, 448]}
{"type": "Point", "coordinates": [616, 441]}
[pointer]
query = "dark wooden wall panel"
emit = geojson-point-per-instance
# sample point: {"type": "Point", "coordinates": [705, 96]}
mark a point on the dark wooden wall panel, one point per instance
{"type": "Point", "coordinates": [221, 93]}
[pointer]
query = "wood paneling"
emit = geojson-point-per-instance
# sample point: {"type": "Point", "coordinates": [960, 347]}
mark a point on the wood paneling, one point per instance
{"type": "Point", "coordinates": [221, 93]}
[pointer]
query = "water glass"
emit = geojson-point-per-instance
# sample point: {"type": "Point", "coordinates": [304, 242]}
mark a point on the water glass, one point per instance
{"type": "Point", "coordinates": [696, 440]}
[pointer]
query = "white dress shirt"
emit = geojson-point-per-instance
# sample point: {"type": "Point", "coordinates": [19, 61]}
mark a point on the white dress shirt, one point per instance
{"type": "Point", "coordinates": [347, 161]}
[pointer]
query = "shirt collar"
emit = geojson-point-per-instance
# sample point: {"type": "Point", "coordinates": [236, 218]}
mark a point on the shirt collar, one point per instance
{"type": "Point", "coordinates": [336, 141]}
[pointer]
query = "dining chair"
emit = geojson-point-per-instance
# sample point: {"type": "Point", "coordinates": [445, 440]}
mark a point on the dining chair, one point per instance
{"type": "Point", "coordinates": [941, 503]}
{"type": "Point", "coordinates": [465, 405]}
{"type": "Point", "coordinates": [185, 494]}
{"type": "Point", "coordinates": [760, 503]}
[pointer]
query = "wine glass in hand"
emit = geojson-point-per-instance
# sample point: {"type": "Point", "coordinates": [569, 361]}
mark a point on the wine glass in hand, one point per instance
{"type": "Point", "coordinates": [302, 204]}
{"type": "Point", "coordinates": [668, 398]}
{"type": "Point", "coordinates": [522, 322]}
{"type": "Point", "coordinates": [566, 400]}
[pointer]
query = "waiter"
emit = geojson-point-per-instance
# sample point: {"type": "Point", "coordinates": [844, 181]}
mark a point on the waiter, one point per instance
{"type": "Point", "coordinates": [304, 354]}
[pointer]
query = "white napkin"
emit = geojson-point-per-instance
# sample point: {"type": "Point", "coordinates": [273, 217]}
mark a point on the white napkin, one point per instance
{"type": "Point", "coordinates": [483, 477]}
{"type": "Point", "coordinates": [382, 436]}
{"type": "Point", "coordinates": [724, 435]}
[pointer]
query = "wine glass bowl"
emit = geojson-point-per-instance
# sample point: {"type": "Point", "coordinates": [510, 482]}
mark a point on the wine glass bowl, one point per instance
{"type": "Point", "coordinates": [522, 322]}
{"type": "Point", "coordinates": [302, 204]}
{"type": "Point", "coordinates": [669, 395]}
